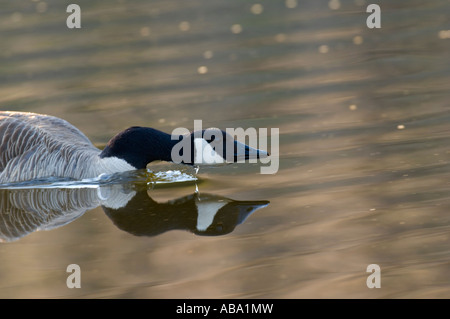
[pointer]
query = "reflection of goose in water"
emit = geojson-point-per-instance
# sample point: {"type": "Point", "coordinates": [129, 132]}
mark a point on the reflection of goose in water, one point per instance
{"type": "Point", "coordinates": [36, 146]}
{"type": "Point", "coordinates": [204, 214]}
{"type": "Point", "coordinates": [23, 211]}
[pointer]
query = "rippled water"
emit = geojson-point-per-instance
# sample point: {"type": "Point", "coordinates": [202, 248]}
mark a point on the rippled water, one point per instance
{"type": "Point", "coordinates": [165, 174]}
{"type": "Point", "coordinates": [364, 122]}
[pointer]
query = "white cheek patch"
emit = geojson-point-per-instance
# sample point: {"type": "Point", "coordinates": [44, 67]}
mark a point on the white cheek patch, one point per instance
{"type": "Point", "coordinates": [205, 154]}
{"type": "Point", "coordinates": [206, 213]}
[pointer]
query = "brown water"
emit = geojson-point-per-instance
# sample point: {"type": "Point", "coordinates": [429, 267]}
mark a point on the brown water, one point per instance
{"type": "Point", "coordinates": [364, 121]}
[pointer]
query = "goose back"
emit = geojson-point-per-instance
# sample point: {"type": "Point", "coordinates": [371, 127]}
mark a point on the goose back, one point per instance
{"type": "Point", "coordinates": [35, 146]}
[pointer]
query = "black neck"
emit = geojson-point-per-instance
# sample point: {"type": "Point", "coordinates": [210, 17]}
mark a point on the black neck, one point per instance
{"type": "Point", "coordinates": [140, 145]}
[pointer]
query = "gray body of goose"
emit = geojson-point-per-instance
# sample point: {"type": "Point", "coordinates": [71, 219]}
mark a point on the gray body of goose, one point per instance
{"type": "Point", "coordinates": [38, 146]}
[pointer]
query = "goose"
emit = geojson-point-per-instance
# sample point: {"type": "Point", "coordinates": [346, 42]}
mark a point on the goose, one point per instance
{"type": "Point", "coordinates": [34, 146]}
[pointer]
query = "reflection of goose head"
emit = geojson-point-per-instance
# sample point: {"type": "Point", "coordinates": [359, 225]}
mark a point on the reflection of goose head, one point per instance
{"type": "Point", "coordinates": [219, 216]}
{"type": "Point", "coordinates": [202, 215]}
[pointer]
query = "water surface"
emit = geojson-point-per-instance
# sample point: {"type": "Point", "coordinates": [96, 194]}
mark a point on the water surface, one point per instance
{"type": "Point", "coordinates": [364, 123]}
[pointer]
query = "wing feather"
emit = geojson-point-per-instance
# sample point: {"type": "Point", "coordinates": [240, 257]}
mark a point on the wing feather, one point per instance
{"type": "Point", "coordinates": [35, 145]}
